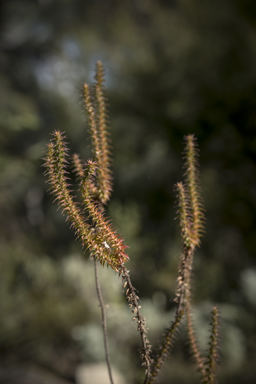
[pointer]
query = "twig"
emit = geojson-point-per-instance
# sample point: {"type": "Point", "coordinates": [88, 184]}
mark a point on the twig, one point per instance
{"type": "Point", "coordinates": [104, 321]}
{"type": "Point", "coordinates": [189, 254]}
{"type": "Point", "coordinates": [133, 299]}
{"type": "Point", "coordinates": [167, 344]}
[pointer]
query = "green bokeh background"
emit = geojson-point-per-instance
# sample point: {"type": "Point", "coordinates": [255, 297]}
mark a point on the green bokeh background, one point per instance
{"type": "Point", "coordinates": [172, 68]}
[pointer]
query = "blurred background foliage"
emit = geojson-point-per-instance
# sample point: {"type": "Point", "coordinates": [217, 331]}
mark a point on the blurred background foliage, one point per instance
{"type": "Point", "coordinates": [172, 68]}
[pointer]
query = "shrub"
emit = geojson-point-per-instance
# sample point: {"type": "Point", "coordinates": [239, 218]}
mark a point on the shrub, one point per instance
{"type": "Point", "coordinates": [97, 234]}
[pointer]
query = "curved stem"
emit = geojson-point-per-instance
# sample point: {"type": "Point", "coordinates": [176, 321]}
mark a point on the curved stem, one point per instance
{"type": "Point", "coordinates": [103, 321]}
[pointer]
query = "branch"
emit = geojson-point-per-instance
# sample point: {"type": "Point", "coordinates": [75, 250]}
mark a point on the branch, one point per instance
{"type": "Point", "coordinates": [132, 299]}
{"type": "Point", "coordinates": [104, 159]}
{"type": "Point", "coordinates": [167, 345]}
{"type": "Point", "coordinates": [194, 189]}
{"type": "Point", "coordinates": [213, 356]}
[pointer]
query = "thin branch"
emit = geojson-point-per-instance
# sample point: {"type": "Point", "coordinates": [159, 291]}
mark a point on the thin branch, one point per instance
{"type": "Point", "coordinates": [193, 343]}
{"type": "Point", "coordinates": [133, 299]}
{"type": "Point", "coordinates": [104, 159]}
{"type": "Point", "coordinates": [189, 253]}
{"type": "Point", "coordinates": [213, 356]}
{"type": "Point", "coordinates": [194, 188]}
{"type": "Point", "coordinates": [103, 321]}
{"type": "Point", "coordinates": [167, 344]}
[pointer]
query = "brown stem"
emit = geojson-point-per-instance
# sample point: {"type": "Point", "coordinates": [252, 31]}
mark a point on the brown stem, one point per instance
{"type": "Point", "coordinates": [167, 344]}
{"type": "Point", "coordinates": [189, 254]}
{"type": "Point", "coordinates": [133, 299]}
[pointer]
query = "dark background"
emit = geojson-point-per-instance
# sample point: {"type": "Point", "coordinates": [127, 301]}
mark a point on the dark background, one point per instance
{"type": "Point", "coordinates": [172, 68]}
